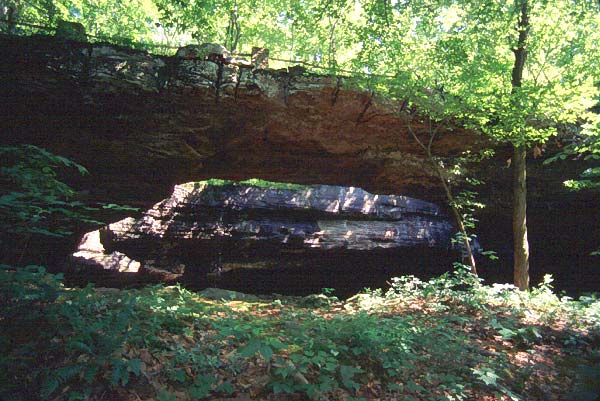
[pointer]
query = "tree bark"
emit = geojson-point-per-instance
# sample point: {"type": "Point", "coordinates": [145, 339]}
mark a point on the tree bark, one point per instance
{"type": "Point", "coordinates": [520, 244]}
{"type": "Point", "coordinates": [470, 258]}
{"type": "Point", "coordinates": [10, 18]}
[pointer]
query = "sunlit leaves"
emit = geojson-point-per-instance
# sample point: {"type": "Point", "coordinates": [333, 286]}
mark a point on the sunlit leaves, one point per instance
{"type": "Point", "coordinates": [34, 201]}
{"type": "Point", "coordinates": [420, 340]}
{"type": "Point", "coordinates": [465, 50]}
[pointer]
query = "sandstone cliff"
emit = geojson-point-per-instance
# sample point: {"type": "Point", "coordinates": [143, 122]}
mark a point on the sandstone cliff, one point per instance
{"type": "Point", "coordinates": [132, 117]}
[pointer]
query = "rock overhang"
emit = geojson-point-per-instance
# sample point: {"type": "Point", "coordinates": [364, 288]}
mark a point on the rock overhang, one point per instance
{"type": "Point", "coordinates": [158, 121]}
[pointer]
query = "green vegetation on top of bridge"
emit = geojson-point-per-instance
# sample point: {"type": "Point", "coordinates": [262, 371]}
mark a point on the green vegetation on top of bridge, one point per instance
{"type": "Point", "coordinates": [252, 182]}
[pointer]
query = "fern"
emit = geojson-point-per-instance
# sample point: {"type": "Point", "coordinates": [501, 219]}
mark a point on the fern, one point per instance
{"type": "Point", "coordinates": [56, 378]}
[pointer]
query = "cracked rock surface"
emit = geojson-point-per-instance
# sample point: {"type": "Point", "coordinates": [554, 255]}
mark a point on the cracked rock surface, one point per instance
{"type": "Point", "coordinates": [133, 117]}
{"type": "Point", "coordinates": [243, 224]}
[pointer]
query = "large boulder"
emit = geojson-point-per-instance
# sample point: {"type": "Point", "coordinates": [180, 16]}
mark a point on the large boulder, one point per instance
{"type": "Point", "coordinates": [214, 227]}
{"type": "Point", "coordinates": [205, 51]}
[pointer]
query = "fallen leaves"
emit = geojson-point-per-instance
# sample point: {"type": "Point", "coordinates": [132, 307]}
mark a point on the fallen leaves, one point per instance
{"type": "Point", "coordinates": [180, 347]}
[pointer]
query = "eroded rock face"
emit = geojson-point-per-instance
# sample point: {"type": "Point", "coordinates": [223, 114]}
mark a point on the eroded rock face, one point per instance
{"type": "Point", "coordinates": [91, 252]}
{"type": "Point", "coordinates": [132, 117]}
{"type": "Point", "coordinates": [204, 227]}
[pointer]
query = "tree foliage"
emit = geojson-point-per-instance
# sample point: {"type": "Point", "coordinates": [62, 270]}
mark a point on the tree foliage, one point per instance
{"type": "Point", "coordinates": [505, 69]}
{"type": "Point", "coordinates": [34, 200]}
{"type": "Point", "coordinates": [120, 21]}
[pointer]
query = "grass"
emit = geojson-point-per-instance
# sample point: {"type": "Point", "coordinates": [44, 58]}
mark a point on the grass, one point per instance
{"type": "Point", "coordinates": [447, 339]}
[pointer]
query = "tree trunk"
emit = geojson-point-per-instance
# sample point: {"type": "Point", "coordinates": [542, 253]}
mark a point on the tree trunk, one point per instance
{"type": "Point", "coordinates": [10, 19]}
{"type": "Point", "coordinates": [521, 245]}
{"type": "Point", "coordinates": [470, 258]}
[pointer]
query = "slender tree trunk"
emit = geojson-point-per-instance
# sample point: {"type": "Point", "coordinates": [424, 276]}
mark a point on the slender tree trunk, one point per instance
{"type": "Point", "coordinates": [521, 244]}
{"type": "Point", "coordinates": [459, 220]}
{"type": "Point", "coordinates": [470, 258]}
{"type": "Point", "coordinates": [10, 12]}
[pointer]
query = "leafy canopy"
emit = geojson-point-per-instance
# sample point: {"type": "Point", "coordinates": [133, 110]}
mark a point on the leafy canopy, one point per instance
{"type": "Point", "coordinates": [462, 48]}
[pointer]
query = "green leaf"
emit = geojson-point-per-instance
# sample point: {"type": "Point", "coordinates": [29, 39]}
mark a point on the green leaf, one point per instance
{"type": "Point", "coordinates": [266, 351]}
{"type": "Point", "coordinates": [89, 374]}
{"type": "Point", "coordinates": [81, 346]}
{"type": "Point", "coordinates": [250, 349]}
{"type": "Point", "coordinates": [225, 387]}
{"type": "Point", "coordinates": [114, 206]}
{"type": "Point", "coordinates": [347, 373]}
{"type": "Point", "coordinates": [119, 373]}
{"type": "Point", "coordinates": [486, 376]}
{"type": "Point", "coordinates": [134, 366]}
{"type": "Point", "coordinates": [282, 387]}
{"type": "Point", "coordinates": [413, 387]}
{"type": "Point", "coordinates": [507, 333]}
{"type": "Point", "coordinates": [49, 386]}
{"type": "Point", "coordinates": [276, 344]}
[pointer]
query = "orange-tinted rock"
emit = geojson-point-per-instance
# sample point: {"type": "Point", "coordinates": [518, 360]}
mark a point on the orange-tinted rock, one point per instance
{"type": "Point", "coordinates": [132, 117]}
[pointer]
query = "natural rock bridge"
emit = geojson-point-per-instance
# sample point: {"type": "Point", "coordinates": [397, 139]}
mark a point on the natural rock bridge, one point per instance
{"type": "Point", "coordinates": [133, 117]}
{"type": "Point", "coordinates": [143, 123]}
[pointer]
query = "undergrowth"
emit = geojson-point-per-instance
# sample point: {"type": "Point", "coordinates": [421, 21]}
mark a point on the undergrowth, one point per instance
{"type": "Point", "coordinates": [450, 338]}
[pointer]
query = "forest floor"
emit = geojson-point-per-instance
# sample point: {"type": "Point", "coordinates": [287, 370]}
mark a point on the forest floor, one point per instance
{"type": "Point", "coordinates": [447, 339]}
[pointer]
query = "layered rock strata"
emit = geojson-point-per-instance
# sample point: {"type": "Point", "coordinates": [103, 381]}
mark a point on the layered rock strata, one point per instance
{"type": "Point", "coordinates": [205, 227]}
{"type": "Point", "coordinates": [156, 121]}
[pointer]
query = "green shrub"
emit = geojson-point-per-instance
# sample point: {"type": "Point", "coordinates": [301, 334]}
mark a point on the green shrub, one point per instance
{"type": "Point", "coordinates": [51, 338]}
